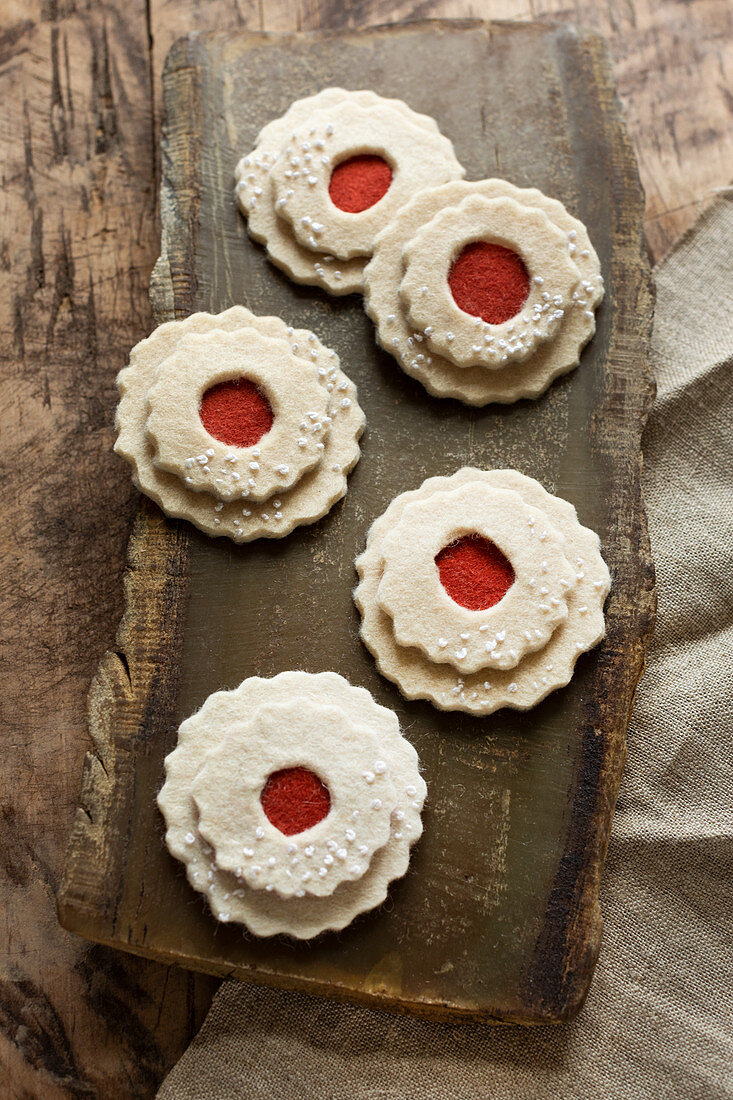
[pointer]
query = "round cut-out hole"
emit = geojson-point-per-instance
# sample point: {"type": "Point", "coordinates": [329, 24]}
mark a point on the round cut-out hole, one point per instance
{"type": "Point", "coordinates": [474, 572]}
{"type": "Point", "coordinates": [359, 182]}
{"type": "Point", "coordinates": [489, 281]}
{"type": "Point", "coordinates": [295, 799]}
{"type": "Point", "coordinates": [236, 413]}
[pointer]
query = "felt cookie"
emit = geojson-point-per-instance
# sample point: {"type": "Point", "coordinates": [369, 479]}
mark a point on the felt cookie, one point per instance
{"type": "Point", "coordinates": [414, 158]}
{"type": "Point", "coordinates": [292, 394]}
{"type": "Point", "coordinates": [356, 183]}
{"type": "Point", "coordinates": [469, 569]}
{"type": "Point", "coordinates": [242, 520]}
{"type": "Point", "coordinates": [325, 827]}
{"type": "Point", "coordinates": [497, 297]}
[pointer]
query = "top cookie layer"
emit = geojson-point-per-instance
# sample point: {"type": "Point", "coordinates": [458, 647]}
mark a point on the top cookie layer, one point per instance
{"type": "Point", "coordinates": [417, 158]}
{"type": "Point", "coordinates": [345, 756]}
{"type": "Point", "coordinates": [425, 616]}
{"type": "Point", "coordinates": [280, 458]}
{"type": "Point", "coordinates": [431, 307]}
{"type": "Point", "coordinates": [477, 385]}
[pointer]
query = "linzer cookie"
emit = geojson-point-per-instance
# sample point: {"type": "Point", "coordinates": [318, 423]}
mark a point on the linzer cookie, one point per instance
{"type": "Point", "coordinates": [484, 291]}
{"type": "Point", "coordinates": [480, 590]}
{"type": "Point", "coordinates": [325, 178]}
{"type": "Point", "coordinates": [240, 424]}
{"type": "Point", "coordinates": [292, 802]}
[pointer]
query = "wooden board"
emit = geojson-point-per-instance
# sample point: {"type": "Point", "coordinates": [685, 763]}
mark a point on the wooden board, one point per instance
{"type": "Point", "coordinates": [498, 917]}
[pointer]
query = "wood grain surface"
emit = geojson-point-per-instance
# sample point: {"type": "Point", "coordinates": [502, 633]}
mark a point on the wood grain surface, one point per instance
{"type": "Point", "coordinates": [498, 918]}
{"type": "Point", "coordinates": [79, 84]}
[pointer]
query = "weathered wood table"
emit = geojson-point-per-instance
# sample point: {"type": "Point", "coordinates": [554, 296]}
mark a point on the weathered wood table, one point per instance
{"type": "Point", "coordinates": [81, 91]}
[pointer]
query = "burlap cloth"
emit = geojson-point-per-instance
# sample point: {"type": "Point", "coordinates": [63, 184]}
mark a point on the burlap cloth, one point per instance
{"type": "Point", "coordinates": [658, 1019]}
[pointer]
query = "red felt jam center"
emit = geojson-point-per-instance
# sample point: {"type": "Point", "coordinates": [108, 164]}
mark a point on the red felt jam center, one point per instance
{"type": "Point", "coordinates": [474, 572]}
{"type": "Point", "coordinates": [295, 799]}
{"type": "Point", "coordinates": [236, 413]}
{"type": "Point", "coordinates": [489, 281]}
{"type": "Point", "coordinates": [359, 182]}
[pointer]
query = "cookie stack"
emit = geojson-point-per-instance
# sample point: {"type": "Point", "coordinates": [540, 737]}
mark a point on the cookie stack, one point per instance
{"type": "Point", "coordinates": [240, 424]}
{"type": "Point", "coordinates": [480, 590]}
{"type": "Point", "coordinates": [483, 291]}
{"type": "Point", "coordinates": [292, 802]}
{"type": "Point", "coordinates": [324, 179]}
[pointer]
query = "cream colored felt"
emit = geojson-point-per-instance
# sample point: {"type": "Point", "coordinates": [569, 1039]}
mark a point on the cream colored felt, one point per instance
{"type": "Point", "coordinates": [346, 758]}
{"type": "Point", "coordinates": [317, 490]}
{"type": "Point", "coordinates": [476, 385]}
{"type": "Point", "coordinates": [257, 202]}
{"type": "Point", "coordinates": [419, 158]}
{"type": "Point", "coordinates": [539, 673]}
{"type": "Point", "coordinates": [460, 337]}
{"type": "Point", "coordinates": [262, 912]}
{"type": "Point", "coordinates": [425, 616]}
{"type": "Point", "coordinates": [205, 464]}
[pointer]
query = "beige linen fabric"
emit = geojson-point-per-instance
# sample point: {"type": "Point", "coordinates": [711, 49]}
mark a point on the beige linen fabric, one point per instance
{"type": "Point", "coordinates": [657, 1023]}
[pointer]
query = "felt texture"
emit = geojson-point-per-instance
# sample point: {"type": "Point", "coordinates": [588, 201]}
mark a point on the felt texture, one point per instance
{"type": "Point", "coordinates": [265, 913]}
{"type": "Point", "coordinates": [476, 385]}
{"type": "Point", "coordinates": [359, 182]}
{"type": "Point", "coordinates": [423, 614]}
{"type": "Point", "coordinates": [303, 265]}
{"type": "Point", "coordinates": [307, 501]}
{"type": "Point", "coordinates": [658, 1020]}
{"type": "Point", "coordinates": [419, 158]}
{"type": "Point", "coordinates": [431, 308]}
{"type": "Point", "coordinates": [489, 281]}
{"type": "Point", "coordinates": [294, 799]}
{"type": "Point", "coordinates": [236, 413]}
{"type": "Point", "coordinates": [227, 788]}
{"type": "Point", "coordinates": [540, 672]}
{"type": "Point", "coordinates": [474, 572]}
{"type": "Point", "coordinates": [294, 444]}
